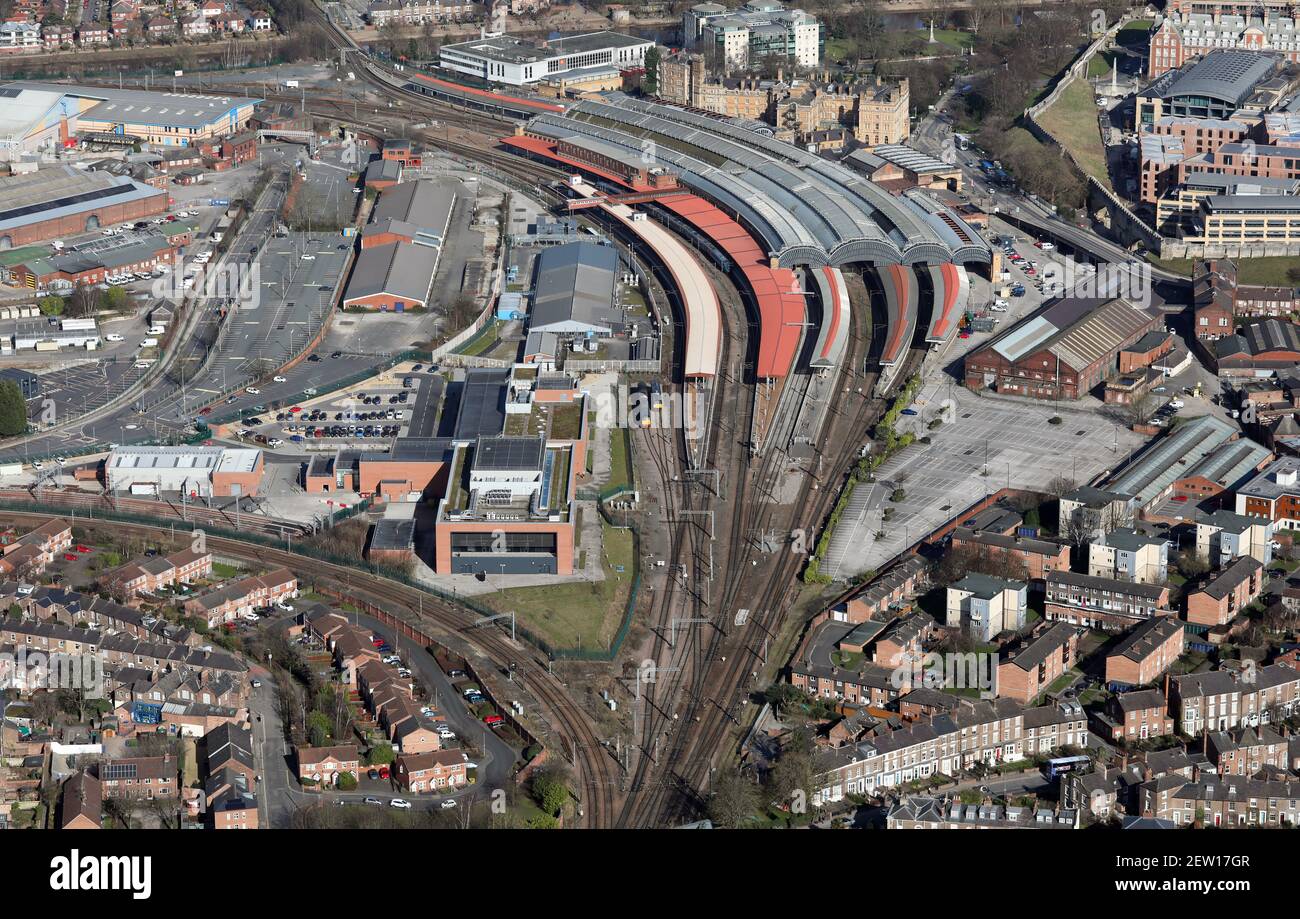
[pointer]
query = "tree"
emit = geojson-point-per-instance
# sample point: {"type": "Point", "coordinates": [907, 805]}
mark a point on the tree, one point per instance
{"type": "Point", "coordinates": [380, 755]}
{"type": "Point", "coordinates": [734, 802]}
{"type": "Point", "coordinates": [318, 728]}
{"type": "Point", "coordinates": [13, 410]}
{"type": "Point", "coordinates": [347, 781]}
{"type": "Point", "coordinates": [1191, 565]}
{"type": "Point", "coordinates": [50, 306]}
{"type": "Point", "coordinates": [793, 772]}
{"type": "Point", "coordinates": [550, 790]}
{"type": "Point", "coordinates": [650, 84]}
{"type": "Point", "coordinates": [114, 299]}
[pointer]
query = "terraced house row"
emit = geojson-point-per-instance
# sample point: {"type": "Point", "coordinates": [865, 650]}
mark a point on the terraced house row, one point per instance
{"type": "Point", "coordinates": [1000, 731]}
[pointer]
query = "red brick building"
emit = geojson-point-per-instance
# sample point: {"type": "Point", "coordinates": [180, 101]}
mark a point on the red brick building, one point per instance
{"type": "Point", "coordinates": [1146, 653]}
{"type": "Point", "coordinates": [1227, 593]}
{"type": "Point", "coordinates": [1026, 673]}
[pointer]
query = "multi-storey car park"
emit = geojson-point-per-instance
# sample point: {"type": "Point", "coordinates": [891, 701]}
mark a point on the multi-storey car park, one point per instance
{"type": "Point", "coordinates": [770, 208]}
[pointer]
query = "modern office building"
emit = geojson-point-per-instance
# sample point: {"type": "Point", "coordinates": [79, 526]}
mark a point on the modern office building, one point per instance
{"type": "Point", "coordinates": [500, 58]}
{"type": "Point", "coordinates": [759, 29]}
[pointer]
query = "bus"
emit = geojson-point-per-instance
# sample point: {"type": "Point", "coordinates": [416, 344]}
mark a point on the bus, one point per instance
{"type": "Point", "coordinates": [962, 141]}
{"type": "Point", "coordinates": [1062, 764]}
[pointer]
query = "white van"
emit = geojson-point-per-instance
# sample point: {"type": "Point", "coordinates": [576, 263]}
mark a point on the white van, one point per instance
{"type": "Point", "coordinates": [113, 336]}
{"type": "Point", "coordinates": [157, 330]}
{"type": "Point", "coordinates": [148, 343]}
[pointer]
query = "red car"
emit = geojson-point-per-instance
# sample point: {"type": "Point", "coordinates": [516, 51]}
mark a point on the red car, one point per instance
{"type": "Point", "coordinates": [81, 548]}
{"type": "Point", "coordinates": [376, 642]}
{"type": "Point", "coordinates": [493, 720]}
{"type": "Point", "coordinates": [69, 557]}
{"type": "Point", "coordinates": [206, 411]}
{"type": "Point", "coordinates": [383, 772]}
{"type": "Point", "coordinates": [295, 410]}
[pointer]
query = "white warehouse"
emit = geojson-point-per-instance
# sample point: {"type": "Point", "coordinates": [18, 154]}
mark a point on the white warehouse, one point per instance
{"type": "Point", "coordinates": [198, 472]}
{"type": "Point", "coordinates": [501, 58]}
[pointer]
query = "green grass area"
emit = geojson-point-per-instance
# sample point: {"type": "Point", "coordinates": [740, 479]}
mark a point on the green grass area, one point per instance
{"type": "Point", "coordinates": [566, 421]}
{"type": "Point", "coordinates": [484, 341]}
{"type": "Point", "coordinates": [11, 257]}
{"type": "Point", "coordinates": [620, 460]}
{"type": "Point", "coordinates": [578, 614]}
{"type": "Point", "coordinates": [957, 40]}
{"type": "Point", "coordinates": [1270, 271]}
{"type": "Point", "coordinates": [1135, 35]}
{"type": "Point", "coordinates": [838, 48]}
{"type": "Point", "coordinates": [1063, 681]}
{"type": "Point", "coordinates": [1072, 120]}
{"type": "Point", "coordinates": [850, 660]}
{"type": "Point", "coordinates": [1101, 64]}
{"type": "Point", "coordinates": [222, 570]}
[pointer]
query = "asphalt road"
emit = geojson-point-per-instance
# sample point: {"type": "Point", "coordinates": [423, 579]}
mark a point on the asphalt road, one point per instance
{"type": "Point", "coordinates": [279, 792]}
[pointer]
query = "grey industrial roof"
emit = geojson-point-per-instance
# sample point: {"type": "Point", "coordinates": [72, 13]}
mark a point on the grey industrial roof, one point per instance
{"type": "Point", "coordinates": [424, 203]}
{"type": "Point", "coordinates": [1077, 330]}
{"type": "Point", "coordinates": [398, 269]}
{"type": "Point", "coordinates": [575, 285]}
{"type": "Point", "coordinates": [61, 191]}
{"type": "Point", "coordinates": [1266, 485]}
{"type": "Point", "coordinates": [512, 50]}
{"type": "Point", "coordinates": [1172, 457]}
{"type": "Point", "coordinates": [504, 454]}
{"type": "Point", "coordinates": [136, 106]}
{"type": "Point", "coordinates": [482, 404]}
{"type": "Point", "coordinates": [383, 170]}
{"type": "Point", "coordinates": [393, 533]}
{"type": "Point", "coordinates": [1251, 203]}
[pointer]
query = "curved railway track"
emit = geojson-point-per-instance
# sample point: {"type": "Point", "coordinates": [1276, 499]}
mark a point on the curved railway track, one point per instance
{"type": "Point", "coordinates": [695, 708]}
{"type": "Point", "coordinates": [596, 767]}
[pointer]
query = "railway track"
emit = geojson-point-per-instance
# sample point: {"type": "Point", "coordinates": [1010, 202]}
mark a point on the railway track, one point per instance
{"type": "Point", "coordinates": [596, 766]}
{"type": "Point", "coordinates": [696, 708]}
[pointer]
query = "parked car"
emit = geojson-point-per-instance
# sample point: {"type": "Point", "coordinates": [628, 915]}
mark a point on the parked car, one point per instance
{"type": "Point", "coordinates": [371, 799]}
{"type": "Point", "coordinates": [400, 802]}
{"type": "Point", "coordinates": [447, 804]}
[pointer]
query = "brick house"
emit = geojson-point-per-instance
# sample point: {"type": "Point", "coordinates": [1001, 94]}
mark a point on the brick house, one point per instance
{"type": "Point", "coordinates": [1037, 556]}
{"type": "Point", "coordinates": [139, 777]}
{"type": "Point", "coordinates": [1244, 751]}
{"type": "Point", "coordinates": [1227, 593]}
{"type": "Point", "coordinates": [231, 803]}
{"type": "Point", "coordinates": [1043, 659]}
{"type": "Point", "coordinates": [229, 747]}
{"type": "Point", "coordinates": [889, 590]}
{"type": "Point", "coordinates": [232, 601]}
{"type": "Point", "coordinates": [1102, 603]}
{"type": "Point", "coordinates": [150, 574]}
{"type": "Point", "coordinates": [1218, 700]}
{"type": "Point", "coordinates": [1230, 801]}
{"type": "Point", "coordinates": [421, 772]}
{"type": "Point", "coordinates": [81, 806]}
{"type": "Point", "coordinates": [1145, 653]}
{"type": "Point", "coordinates": [1139, 715]}
{"type": "Point", "coordinates": [325, 764]}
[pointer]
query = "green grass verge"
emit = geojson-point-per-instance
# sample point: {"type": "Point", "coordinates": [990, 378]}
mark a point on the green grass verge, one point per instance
{"type": "Point", "coordinates": [620, 460]}
{"type": "Point", "coordinates": [1270, 271]}
{"type": "Point", "coordinates": [578, 614]}
{"type": "Point", "coordinates": [222, 570]}
{"type": "Point", "coordinates": [1072, 120]}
